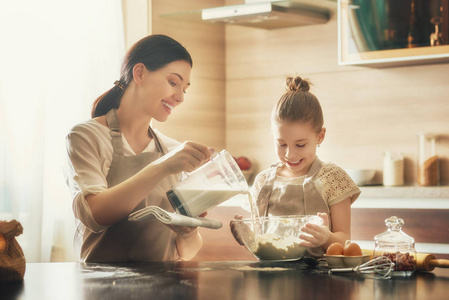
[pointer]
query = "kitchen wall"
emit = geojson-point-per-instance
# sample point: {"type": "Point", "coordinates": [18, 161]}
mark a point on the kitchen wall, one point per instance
{"type": "Point", "coordinates": [239, 73]}
{"type": "Point", "coordinates": [202, 117]}
{"type": "Point", "coordinates": [366, 110]}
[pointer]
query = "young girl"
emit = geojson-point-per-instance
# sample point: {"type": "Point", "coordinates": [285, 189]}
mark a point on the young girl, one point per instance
{"type": "Point", "coordinates": [299, 183]}
{"type": "Point", "coordinates": [118, 164]}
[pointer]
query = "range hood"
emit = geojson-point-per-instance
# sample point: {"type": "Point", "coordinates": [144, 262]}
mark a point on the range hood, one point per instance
{"type": "Point", "coordinates": [265, 14]}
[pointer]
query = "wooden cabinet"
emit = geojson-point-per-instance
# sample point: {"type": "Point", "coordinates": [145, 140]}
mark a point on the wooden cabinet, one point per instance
{"type": "Point", "coordinates": [366, 33]}
{"type": "Point", "coordinates": [429, 227]}
{"type": "Point", "coordinates": [425, 211]}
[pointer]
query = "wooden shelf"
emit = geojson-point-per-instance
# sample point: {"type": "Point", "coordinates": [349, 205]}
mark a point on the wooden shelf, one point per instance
{"type": "Point", "coordinates": [408, 192]}
{"type": "Point", "coordinates": [348, 55]}
{"type": "Point", "coordinates": [398, 57]}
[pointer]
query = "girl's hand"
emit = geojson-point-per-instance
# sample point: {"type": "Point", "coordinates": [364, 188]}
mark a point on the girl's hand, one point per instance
{"type": "Point", "coordinates": [235, 229]}
{"type": "Point", "coordinates": [187, 157]}
{"type": "Point", "coordinates": [315, 235]}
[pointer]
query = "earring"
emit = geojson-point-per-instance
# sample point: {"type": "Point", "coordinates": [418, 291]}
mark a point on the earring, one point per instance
{"type": "Point", "coordinates": [319, 145]}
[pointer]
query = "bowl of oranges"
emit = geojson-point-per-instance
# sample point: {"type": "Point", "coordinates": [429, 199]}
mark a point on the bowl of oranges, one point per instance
{"type": "Point", "coordinates": [348, 256]}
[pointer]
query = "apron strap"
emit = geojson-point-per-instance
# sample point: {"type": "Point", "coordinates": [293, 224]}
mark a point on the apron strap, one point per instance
{"type": "Point", "coordinates": [314, 169]}
{"type": "Point", "coordinates": [159, 146]}
{"type": "Point", "coordinates": [117, 143]}
{"type": "Point", "coordinates": [266, 190]}
{"type": "Point", "coordinates": [271, 176]}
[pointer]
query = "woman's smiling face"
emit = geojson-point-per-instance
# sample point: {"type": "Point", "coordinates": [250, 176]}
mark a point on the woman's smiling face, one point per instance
{"type": "Point", "coordinates": [164, 89]}
{"type": "Point", "coordinates": [295, 144]}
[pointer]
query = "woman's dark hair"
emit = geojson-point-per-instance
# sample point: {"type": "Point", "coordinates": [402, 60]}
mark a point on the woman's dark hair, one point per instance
{"type": "Point", "coordinates": [154, 51]}
{"type": "Point", "coordinates": [298, 104]}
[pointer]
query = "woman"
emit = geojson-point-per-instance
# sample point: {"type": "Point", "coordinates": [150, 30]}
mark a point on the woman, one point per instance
{"type": "Point", "coordinates": [119, 164]}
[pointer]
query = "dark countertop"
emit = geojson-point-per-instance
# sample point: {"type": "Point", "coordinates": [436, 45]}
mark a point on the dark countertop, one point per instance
{"type": "Point", "coordinates": [216, 280]}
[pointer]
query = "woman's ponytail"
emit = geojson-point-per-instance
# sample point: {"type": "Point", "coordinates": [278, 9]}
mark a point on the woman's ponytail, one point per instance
{"type": "Point", "coordinates": [154, 51]}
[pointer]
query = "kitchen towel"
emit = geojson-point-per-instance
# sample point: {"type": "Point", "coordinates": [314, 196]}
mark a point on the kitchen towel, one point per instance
{"type": "Point", "coordinates": [151, 212]}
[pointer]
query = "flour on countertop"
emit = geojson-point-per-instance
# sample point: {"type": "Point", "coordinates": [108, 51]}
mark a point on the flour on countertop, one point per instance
{"type": "Point", "coordinates": [267, 269]}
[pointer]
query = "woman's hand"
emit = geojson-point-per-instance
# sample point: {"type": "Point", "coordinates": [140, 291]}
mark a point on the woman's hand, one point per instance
{"type": "Point", "coordinates": [187, 157]}
{"type": "Point", "coordinates": [185, 231]}
{"type": "Point", "coordinates": [314, 235]}
{"type": "Point", "coordinates": [235, 230]}
{"type": "Point", "coordinates": [188, 240]}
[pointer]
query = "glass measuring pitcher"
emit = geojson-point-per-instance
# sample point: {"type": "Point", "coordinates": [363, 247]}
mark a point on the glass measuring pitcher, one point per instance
{"type": "Point", "coordinates": [213, 183]}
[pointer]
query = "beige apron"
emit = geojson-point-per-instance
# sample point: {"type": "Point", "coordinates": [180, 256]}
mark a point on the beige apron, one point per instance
{"type": "Point", "coordinates": [294, 199]}
{"type": "Point", "coordinates": [132, 241]}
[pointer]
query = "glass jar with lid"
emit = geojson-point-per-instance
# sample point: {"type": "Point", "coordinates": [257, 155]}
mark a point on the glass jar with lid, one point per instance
{"type": "Point", "coordinates": [397, 246]}
{"type": "Point", "coordinates": [428, 165]}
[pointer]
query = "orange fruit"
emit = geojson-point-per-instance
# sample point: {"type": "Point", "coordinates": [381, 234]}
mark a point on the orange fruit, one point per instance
{"type": "Point", "coordinates": [352, 249]}
{"type": "Point", "coordinates": [335, 249]}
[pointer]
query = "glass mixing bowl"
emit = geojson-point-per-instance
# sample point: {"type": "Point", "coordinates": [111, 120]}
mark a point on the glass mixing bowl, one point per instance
{"type": "Point", "coordinates": [274, 238]}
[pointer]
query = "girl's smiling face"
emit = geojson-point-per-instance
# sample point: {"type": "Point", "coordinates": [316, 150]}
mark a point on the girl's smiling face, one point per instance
{"type": "Point", "coordinates": [295, 144]}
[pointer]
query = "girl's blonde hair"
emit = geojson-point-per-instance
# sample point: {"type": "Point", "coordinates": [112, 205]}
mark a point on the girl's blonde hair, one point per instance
{"type": "Point", "coordinates": [298, 104]}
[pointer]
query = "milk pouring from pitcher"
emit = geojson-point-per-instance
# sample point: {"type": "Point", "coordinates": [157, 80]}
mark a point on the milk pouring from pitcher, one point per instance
{"type": "Point", "coordinates": [210, 185]}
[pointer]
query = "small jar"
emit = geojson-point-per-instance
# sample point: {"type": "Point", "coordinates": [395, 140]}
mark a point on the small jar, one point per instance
{"type": "Point", "coordinates": [393, 169]}
{"type": "Point", "coordinates": [428, 164]}
{"type": "Point", "coordinates": [397, 246]}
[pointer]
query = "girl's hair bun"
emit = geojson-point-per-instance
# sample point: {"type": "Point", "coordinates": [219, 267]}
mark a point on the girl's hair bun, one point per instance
{"type": "Point", "coordinates": [297, 84]}
{"type": "Point", "coordinates": [298, 104]}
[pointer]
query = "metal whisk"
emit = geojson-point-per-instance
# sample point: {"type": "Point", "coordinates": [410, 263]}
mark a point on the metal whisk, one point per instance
{"type": "Point", "coordinates": [380, 265]}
